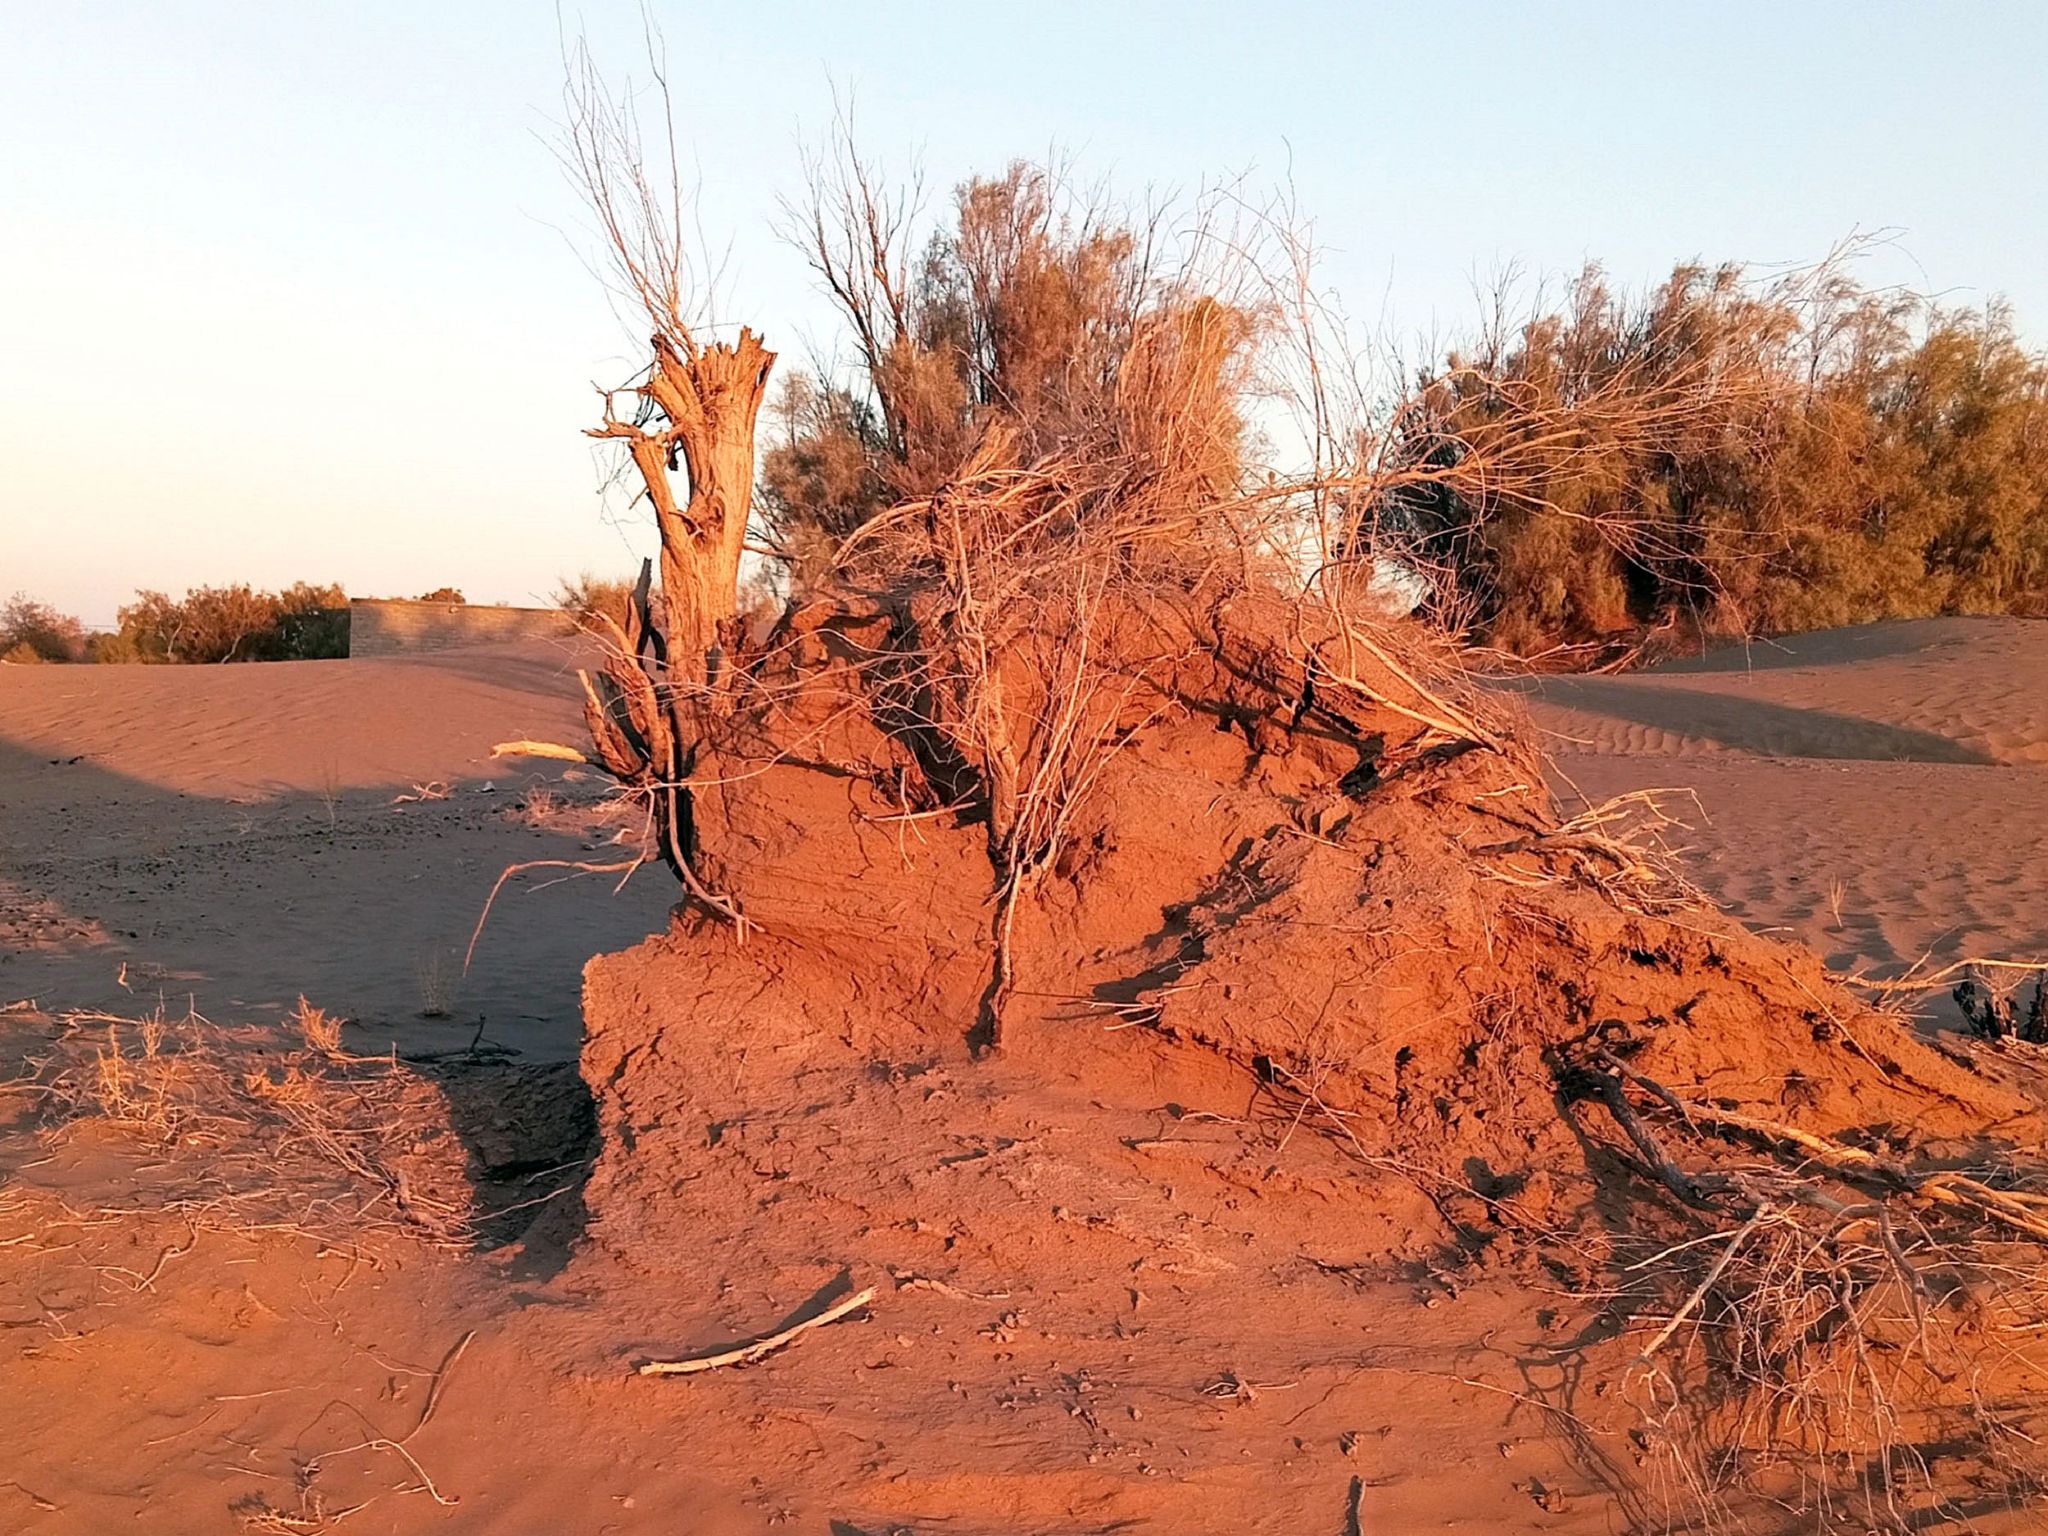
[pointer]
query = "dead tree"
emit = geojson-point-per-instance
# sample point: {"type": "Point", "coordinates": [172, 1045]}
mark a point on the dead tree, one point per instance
{"type": "Point", "coordinates": [707, 399]}
{"type": "Point", "coordinates": [697, 404]}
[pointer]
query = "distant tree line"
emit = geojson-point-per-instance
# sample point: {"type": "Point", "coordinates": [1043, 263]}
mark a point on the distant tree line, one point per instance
{"type": "Point", "coordinates": [302, 622]}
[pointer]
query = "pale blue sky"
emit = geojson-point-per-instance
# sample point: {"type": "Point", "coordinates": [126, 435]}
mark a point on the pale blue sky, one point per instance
{"type": "Point", "coordinates": [284, 290]}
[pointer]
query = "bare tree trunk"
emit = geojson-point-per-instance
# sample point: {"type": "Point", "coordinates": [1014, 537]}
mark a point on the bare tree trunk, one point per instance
{"type": "Point", "coordinates": [647, 708]}
{"type": "Point", "coordinates": [711, 397]}
{"type": "Point", "coordinates": [650, 706]}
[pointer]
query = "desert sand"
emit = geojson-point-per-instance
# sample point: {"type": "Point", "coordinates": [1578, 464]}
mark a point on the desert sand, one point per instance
{"type": "Point", "coordinates": [1189, 1343]}
{"type": "Point", "coordinates": [1875, 793]}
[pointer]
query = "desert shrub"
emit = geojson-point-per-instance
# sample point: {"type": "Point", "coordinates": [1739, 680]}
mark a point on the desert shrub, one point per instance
{"type": "Point", "coordinates": [820, 473]}
{"type": "Point", "coordinates": [234, 623]}
{"type": "Point", "coordinates": [113, 648]}
{"type": "Point", "coordinates": [591, 600]}
{"type": "Point", "coordinates": [1822, 454]}
{"type": "Point", "coordinates": [1033, 316]}
{"type": "Point", "coordinates": [31, 631]}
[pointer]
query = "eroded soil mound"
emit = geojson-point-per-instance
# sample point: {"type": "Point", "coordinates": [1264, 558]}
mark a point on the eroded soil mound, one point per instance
{"type": "Point", "coordinates": [1307, 989]}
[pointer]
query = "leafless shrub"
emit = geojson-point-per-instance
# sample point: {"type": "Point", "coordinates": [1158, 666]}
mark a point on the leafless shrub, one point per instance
{"type": "Point", "coordinates": [328, 789]}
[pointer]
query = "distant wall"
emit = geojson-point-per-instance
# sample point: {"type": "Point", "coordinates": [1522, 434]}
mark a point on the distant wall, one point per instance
{"type": "Point", "coordinates": [381, 627]}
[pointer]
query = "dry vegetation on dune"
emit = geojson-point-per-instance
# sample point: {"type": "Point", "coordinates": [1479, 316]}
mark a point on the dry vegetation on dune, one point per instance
{"type": "Point", "coordinates": [1057, 756]}
{"type": "Point", "coordinates": [301, 1137]}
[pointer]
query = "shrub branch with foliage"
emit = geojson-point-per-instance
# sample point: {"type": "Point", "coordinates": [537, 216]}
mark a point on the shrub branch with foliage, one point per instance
{"type": "Point", "coordinates": [1826, 454]}
{"type": "Point", "coordinates": [35, 632]}
{"type": "Point", "coordinates": [234, 623]}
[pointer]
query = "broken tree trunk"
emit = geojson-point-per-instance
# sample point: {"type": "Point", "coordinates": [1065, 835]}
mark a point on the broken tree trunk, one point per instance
{"type": "Point", "coordinates": [646, 709]}
{"type": "Point", "coordinates": [708, 398]}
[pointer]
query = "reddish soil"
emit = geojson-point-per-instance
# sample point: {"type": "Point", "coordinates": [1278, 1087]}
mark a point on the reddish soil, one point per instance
{"type": "Point", "coordinates": [1268, 1214]}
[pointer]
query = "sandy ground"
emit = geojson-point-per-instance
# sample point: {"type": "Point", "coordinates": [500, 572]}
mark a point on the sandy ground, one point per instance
{"type": "Point", "coordinates": [234, 836]}
{"type": "Point", "coordinates": [1879, 794]}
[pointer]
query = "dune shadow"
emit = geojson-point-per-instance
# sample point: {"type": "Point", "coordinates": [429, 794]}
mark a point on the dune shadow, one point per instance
{"type": "Point", "coordinates": [121, 895]}
{"type": "Point", "coordinates": [1754, 725]}
{"type": "Point", "coordinates": [1818, 648]}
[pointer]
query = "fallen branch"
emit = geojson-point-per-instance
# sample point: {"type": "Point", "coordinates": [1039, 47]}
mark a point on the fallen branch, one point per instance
{"type": "Point", "coordinates": [1933, 981]}
{"type": "Point", "coordinates": [747, 1354]}
{"type": "Point", "coordinates": [538, 749]}
{"type": "Point", "coordinates": [440, 1383]}
{"type": "Point", "coordinates": [2016, 1211]}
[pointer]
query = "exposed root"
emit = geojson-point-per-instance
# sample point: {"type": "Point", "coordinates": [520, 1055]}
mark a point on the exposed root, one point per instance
{"type": "Point", "coordinates": [1812, 1331]}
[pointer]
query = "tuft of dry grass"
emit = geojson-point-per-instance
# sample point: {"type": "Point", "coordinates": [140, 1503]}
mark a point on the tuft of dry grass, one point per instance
{"type": "Point", "coordinates": [329, 791]}
{"type": "Point", "coordinates": [539, 806]}
{"type": "Point", "coordinates": [320, 1029]}
{"type": "Point", "coordinates": [306, 1138]}
{"type": "Point", "coordinates": [438, 977]}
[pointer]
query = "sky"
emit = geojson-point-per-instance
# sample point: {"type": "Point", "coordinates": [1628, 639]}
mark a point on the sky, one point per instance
{"type": "Point", "coordinates": [299, 291]}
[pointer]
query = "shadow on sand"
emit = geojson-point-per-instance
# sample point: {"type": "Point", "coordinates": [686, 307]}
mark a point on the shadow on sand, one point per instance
{"type": "Point", "coordinates": [1750, 724]}
{"type": "Point", "coordinates": [120, 895]}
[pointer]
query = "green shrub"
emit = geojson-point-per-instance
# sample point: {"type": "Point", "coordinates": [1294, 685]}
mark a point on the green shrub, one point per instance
{"type": "Point", "coordinates": [1749, 460]}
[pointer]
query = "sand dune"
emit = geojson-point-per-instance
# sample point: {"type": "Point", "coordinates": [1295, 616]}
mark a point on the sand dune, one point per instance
{"type": "Point", "coordinates": [232, 836]}
{"type": "Point", "coordinates": [1879, 793]}
{"type": "Point", "coordinates": [1969, 690]}
{"type": "Point", "coordinates": [250, 732]}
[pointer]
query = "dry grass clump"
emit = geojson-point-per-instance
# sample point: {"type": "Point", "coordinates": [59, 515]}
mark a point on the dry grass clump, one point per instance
{"type": "Point", "coordinates": [1820, 1307]}
{"type": "Point", "coordinates": [438, 978]}
{"type": "Point", "coordinates": [304, 1138]}
{"type": "Point", "coordinates": [320, 1029]}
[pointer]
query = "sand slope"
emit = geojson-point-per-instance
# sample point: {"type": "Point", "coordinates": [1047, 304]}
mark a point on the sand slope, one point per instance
{"type": "Point", "coordinates": [233, 836]}
{"type": "Point", "coordinates": [1878, 793]}
{"type": "Point", "coordinates": [1966, 690]}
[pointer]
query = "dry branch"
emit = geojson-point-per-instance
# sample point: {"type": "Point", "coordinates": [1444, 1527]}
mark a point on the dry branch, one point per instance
{"type": "Point", "coordinates": [747, 1354]}
{"type": "Point", "coordinates": [524, 748]}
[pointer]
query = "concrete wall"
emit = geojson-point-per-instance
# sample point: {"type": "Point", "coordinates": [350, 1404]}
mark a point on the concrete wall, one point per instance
{"type": "Point", "coordinates": [379, 627]}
